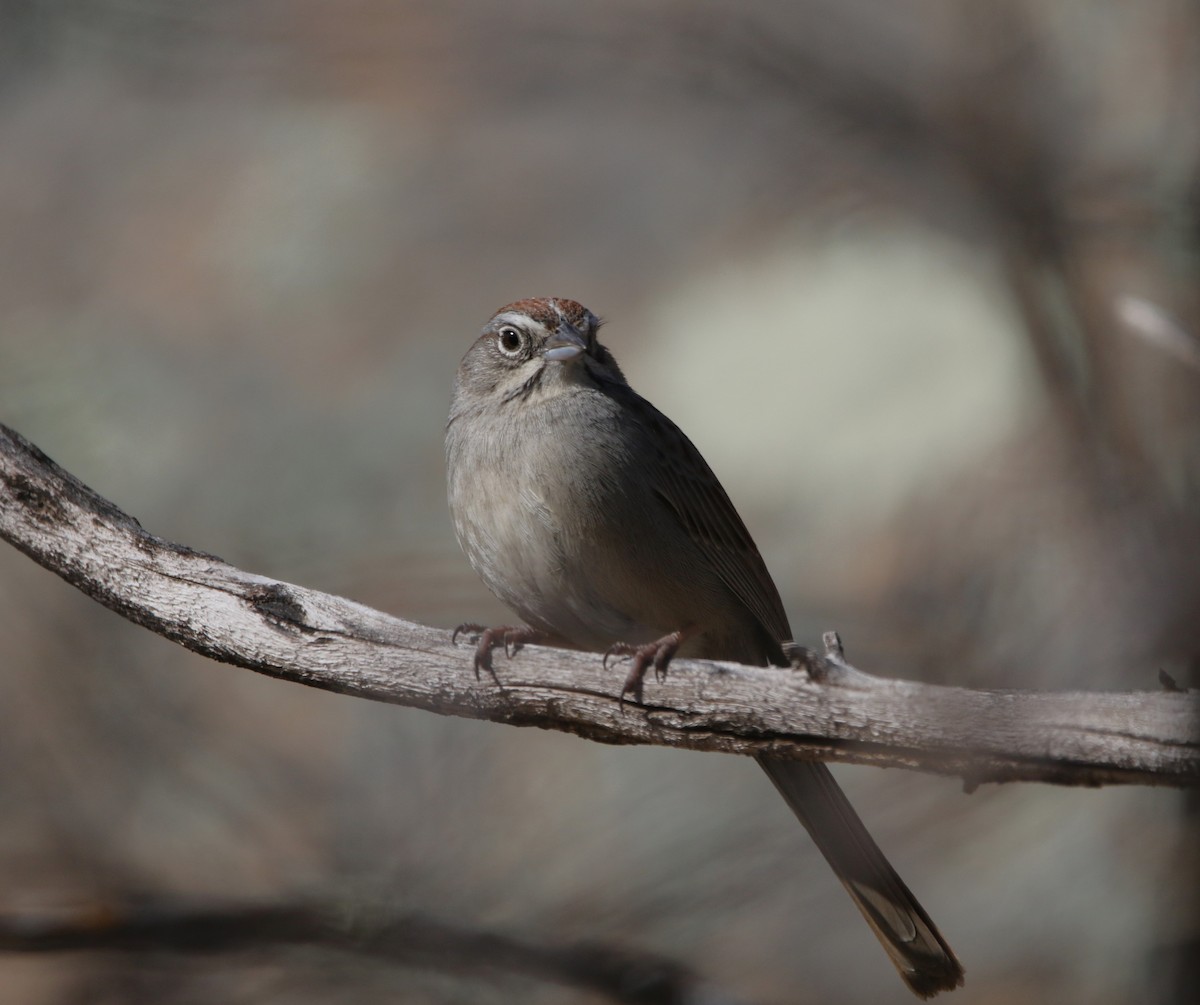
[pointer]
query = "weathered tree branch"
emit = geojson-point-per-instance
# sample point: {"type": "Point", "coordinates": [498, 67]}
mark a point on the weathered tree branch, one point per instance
{"type": "Point", "coordinates": [297, 634]}
{"type": "Point", "coordinates": [388, 936]}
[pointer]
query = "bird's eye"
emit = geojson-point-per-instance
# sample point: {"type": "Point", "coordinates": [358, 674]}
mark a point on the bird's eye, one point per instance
{"type": "Point", "coordinates": [510, 340]}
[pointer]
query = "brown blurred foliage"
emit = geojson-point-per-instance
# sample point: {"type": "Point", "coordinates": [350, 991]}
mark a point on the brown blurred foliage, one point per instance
{"type": "Point", "coordinates": [920, 280]}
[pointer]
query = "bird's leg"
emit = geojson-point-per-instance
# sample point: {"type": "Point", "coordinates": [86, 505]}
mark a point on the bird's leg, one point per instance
{"type": "Point", "coordinates": [657, 654]}
{"type": "Point", "coordinates": [512, 637]}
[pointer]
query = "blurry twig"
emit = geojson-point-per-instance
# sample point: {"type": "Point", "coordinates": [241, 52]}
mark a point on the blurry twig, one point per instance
{"type": "Point", "coordinates": [390, 937]}
{"type": "Point", "coordinates": [325, 641]}
{"type": "Point", "coordinates": [1153, 325]}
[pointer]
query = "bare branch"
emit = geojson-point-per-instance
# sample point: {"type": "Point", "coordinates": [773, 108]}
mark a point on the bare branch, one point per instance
{"type": "Point", "coordinates": [397, 938]}
{"type": "Point", "coordinates": [297, 634]}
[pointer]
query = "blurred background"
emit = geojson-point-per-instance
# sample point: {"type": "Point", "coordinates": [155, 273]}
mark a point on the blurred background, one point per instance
{"type": "Point", "coordinates": [919, 279]}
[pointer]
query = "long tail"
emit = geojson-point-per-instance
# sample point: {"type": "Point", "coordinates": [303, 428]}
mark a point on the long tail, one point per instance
{"type": "Point", "coordinates": [911, 939]}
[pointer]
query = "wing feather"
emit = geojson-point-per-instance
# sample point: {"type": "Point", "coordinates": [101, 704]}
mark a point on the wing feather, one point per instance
{"type": "Point", "coordinates": [689, 489]}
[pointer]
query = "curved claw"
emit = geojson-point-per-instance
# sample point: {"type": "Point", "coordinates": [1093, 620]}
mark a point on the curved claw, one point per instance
{"type": "Point", "coordinates": [622, 649]}
{"type": "Point", "coordinates": [664, 655]}
{"type": "Point", "coordinates": [515, 638]}
{"type": "Point", "coordinates": [657, 654]}
{"type": "Point", "coordinates": [466, 626]}
{"type": "Point", "coordinates": [511, 637]}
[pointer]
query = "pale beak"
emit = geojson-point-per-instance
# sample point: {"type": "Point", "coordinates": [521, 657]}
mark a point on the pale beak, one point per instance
{"type": "Point", "coordinates": [563, 346]}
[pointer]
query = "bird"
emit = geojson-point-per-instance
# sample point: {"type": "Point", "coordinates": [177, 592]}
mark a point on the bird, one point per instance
{"type": "Point", "coordinates": [595, 519]}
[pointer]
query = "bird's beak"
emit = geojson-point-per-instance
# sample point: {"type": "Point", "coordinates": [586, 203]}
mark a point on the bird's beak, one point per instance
{"type": "Point", "coordinates": [563, 346]}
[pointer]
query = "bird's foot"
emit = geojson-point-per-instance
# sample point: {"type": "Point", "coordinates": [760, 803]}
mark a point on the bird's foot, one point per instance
{"type": "Point", "coordinates": [827, 666]}
{"type": "Point", "coordinates": [657, 654]}
{"type": "Point", "coordinates": [511, 637]}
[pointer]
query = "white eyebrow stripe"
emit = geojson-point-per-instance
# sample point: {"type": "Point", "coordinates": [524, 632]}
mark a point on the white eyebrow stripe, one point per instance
{"type": "Point", "coordinates": [518, 319]}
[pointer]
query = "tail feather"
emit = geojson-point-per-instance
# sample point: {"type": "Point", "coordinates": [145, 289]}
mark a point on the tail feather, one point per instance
{"type": "Point", "coordinates": [917, 949]}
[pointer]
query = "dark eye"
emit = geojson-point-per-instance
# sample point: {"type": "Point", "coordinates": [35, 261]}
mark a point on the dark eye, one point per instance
{"type": "Point", "coordinates": [510, 340]}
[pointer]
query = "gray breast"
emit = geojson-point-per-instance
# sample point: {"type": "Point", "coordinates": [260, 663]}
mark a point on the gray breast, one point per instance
{"type": "Point", "coordinates": [559, 516]}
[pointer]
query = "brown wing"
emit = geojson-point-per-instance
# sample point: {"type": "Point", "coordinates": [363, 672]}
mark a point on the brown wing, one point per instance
{"type": "Point", "coordinates": [690, 490]}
